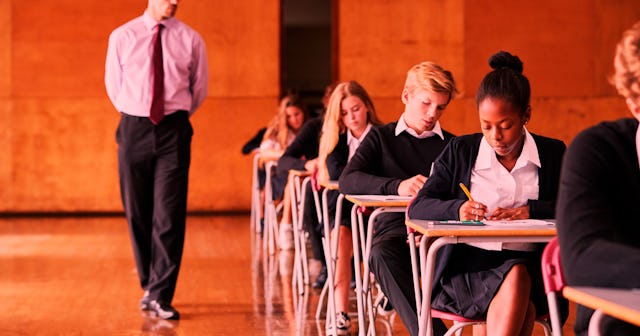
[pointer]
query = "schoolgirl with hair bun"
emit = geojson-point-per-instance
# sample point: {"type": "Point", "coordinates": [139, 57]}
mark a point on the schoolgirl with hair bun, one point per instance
{"type": "Point", "coordinates": [512, 174]}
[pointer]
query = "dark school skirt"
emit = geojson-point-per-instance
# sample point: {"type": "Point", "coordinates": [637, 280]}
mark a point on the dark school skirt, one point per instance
{"type": "Point", "coordinates": [473, 276]}
{"type": "Point", "coordinates": [345, 215]}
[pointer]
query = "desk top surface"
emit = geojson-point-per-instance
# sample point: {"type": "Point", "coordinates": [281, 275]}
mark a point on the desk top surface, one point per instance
{"type": "Point", "coordinates": [269, 156]}
{"type": "Point", "coordinates": [301, 173]}
{"type": "Point", "coordinates": [331, 185]}
{"type": "Point", "coordinates": [623, 304]}
{"type": "Point", "coordinates": [432, 228]}
{"type": "Point", "coordinates": [379, 200]}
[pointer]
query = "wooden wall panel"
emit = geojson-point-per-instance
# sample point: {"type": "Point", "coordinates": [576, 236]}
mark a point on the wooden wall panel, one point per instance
{"type": "Point", "coordinates": [61, 150]}
{"type": "Point", "coordinates": [243, 45]}
{"type": "Point", "coordinates": [567, 49]}
{"type": "Point", "coordinates": [220, 176]}
{"type": "Point", "coordinates": [59, 47]}
{"type": "Point", "coordinates": [6, 157]}
{"type": "Point", "coordinates": [63, 158]}
{"type": "Point", "coordinates": [5, 51]}
{"type": "Point", "coordinates": [381, 40]}
{"type": "Point", "coordinates": [58, 125]}
{"type": "Point", "coordinates": [552, 43]}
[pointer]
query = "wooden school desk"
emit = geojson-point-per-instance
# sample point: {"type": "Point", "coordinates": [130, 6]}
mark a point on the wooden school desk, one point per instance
{"type": "Point", "coordinates": [623, 304]}
{"type": "Point", "coordinates": [381, 203]}
{"type": "Point", "coordinates": [443, 234]}
{"type": "Point", "coordinates": [269, 160]}
{"type": "Point", "coordinates": [330, 253]}
{"type": "Point", "coordinates": [297, 182]}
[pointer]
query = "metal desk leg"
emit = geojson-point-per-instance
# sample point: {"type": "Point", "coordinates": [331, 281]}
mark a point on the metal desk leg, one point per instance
{"type": "Point", "coordinates": [429, 258]}
{"type": "Point", "coordinates": [355, 233]}
{"type": "Point", "coordinates": [414, 268]}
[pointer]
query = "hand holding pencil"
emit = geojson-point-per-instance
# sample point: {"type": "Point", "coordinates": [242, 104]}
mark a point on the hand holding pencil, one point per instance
{"type": "Point", "coordinates": [471, 210]}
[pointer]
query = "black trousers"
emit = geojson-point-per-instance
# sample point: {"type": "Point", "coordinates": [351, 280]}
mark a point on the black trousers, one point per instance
{"type": "Point", "coordinates": [153, 162]}
{"type": "Point", "coordinates": [390, 262]}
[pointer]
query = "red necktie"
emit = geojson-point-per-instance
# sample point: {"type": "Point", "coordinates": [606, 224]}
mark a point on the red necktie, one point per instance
{"type": "Point", "coordinates": [157, 104]}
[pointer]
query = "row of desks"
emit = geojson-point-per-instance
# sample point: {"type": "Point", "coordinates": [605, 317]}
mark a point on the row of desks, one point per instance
{"type": "Point", "coordinates": [621, 304]}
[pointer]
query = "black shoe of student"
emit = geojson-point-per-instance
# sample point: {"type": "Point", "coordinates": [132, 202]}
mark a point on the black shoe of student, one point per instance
{"type": "Point", "coordinates": [145, 302]}
{"type": "Point", "coordinates": [384, 308]}
{"type": "Point", "coordinates": [164, 310]}
{"type": "Point", "coordinates": [321, 279]}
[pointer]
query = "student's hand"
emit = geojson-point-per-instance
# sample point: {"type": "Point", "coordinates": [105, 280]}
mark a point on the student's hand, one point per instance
{"type": "Point", "coordinates": [508, 214]}
{"type": "Point", "coordinates": [417, 236]}
{"type": "Point", "coordinates": [411, 186]}
{"type": "Point", "coordinates": [471, 210]}
{"type": "Point", "coordinates": [311, 165]}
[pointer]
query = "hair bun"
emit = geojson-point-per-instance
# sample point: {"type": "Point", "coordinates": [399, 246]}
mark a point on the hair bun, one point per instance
{"type": "Point", "coordinates": [504, 59]}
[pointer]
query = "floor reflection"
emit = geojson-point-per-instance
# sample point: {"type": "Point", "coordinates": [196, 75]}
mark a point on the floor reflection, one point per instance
{"type": "Point", "coordinates": [227, 285]}
{"type": "Point", "coordinates": [152, 325]}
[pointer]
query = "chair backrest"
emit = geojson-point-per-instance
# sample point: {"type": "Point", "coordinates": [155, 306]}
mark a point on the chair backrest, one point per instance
{"type": "Point", "coordinates": [552, 268]}
{"type": "Point", "coordinates": [553, 282]}
{"type": "Point", "coordinates": [315, 184]}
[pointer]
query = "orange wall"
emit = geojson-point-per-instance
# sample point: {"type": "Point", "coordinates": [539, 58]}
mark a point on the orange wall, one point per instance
{"type": "Point", "coordinates": [57, 125]}
{"type": "Point", "coordinates": [566, 46]}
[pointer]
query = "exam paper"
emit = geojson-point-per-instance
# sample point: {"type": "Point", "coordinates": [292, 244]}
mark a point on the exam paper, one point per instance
{"type": "Point", "coordinates": [386, 197]}
{"type": "Point", "coordinates": [520, 222]}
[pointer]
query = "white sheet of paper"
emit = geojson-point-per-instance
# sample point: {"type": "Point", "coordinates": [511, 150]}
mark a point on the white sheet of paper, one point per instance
{"type": "Point", "coordinates": [385, 197]}
{"type": "Point", "coordinates": [519, 222]}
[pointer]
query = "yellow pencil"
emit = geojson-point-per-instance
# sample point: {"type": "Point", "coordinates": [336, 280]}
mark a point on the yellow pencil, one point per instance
{"type": "Point", "coordinates": [466, 191]}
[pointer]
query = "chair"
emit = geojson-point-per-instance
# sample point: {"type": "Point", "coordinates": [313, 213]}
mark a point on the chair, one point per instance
{"type": "Point", "coordinates": [460, 322]}
{"type": "Point", "coordinates": [553, 282]}
{"type": "Point", "coordinates": [255, 195]}
{"type": "Point", "coordinates": [270, 211]}
{"type": "Point", "coordinates": [329, 250]}
{"type": "Point", "coordinates": [365, 282]}
{"type": "Point", "coordinates": [297, 198]}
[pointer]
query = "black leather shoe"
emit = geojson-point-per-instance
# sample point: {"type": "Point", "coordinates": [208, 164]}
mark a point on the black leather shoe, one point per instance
{"type": "Point", "coordinates": [164, 310]}
{"type": "Point", "coordinates": [145, 301]}
{"type": "Point", "coordinates": [321, 279]}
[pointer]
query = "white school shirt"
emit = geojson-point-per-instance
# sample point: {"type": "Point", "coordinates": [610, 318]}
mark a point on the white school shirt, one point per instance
{"type": "Point", "coordinates": [354, 142]}
{"type": "Point", "coordinates": [494, 186]}
{"type": "Point", "coordinates": [402, 126]}
{"type": "Point", "coordinates": [273, 144]}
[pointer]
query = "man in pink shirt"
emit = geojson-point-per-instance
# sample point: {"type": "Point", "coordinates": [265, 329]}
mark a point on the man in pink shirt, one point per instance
{"type": "Point", "coordinates": [156, 77]}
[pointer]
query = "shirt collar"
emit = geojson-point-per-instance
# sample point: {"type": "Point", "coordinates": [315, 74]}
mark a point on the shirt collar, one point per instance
{"type": "Point", "coordinates": [529, 153]}
{"type": "Point", "coordinates": [402, 126]}
{"type": "Point", "coordinates": [351, 138]}
{"type": "Point", "coordinates": [151, 23]}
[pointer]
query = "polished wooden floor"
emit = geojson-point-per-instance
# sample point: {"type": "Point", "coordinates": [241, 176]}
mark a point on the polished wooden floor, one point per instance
{"type": "Point", "coordinates": [76, 276]}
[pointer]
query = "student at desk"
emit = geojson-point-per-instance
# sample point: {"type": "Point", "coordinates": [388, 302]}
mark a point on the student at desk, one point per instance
{"type": "Point", "coordinates": [599, 195]}
{"type": "Point", "coordinates": [281, 131]}
{"type": "Point", "coordinates": [395, 159]}
{"type": "Point", "coordinates": [349, 117]}
{"type": "Point", "coordinates": [512, 174]}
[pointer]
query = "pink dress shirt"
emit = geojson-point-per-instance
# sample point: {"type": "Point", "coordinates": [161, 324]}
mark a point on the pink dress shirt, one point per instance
{"type": "Point", "coordinates": [128, 70]}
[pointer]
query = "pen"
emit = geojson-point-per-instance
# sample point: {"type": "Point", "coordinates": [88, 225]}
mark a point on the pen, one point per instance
{"type": "Point", "coordinates": [466, 191]}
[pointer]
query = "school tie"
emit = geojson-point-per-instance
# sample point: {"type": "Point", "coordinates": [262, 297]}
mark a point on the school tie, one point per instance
{"type": "Point", "coordinates": [157, 104]}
